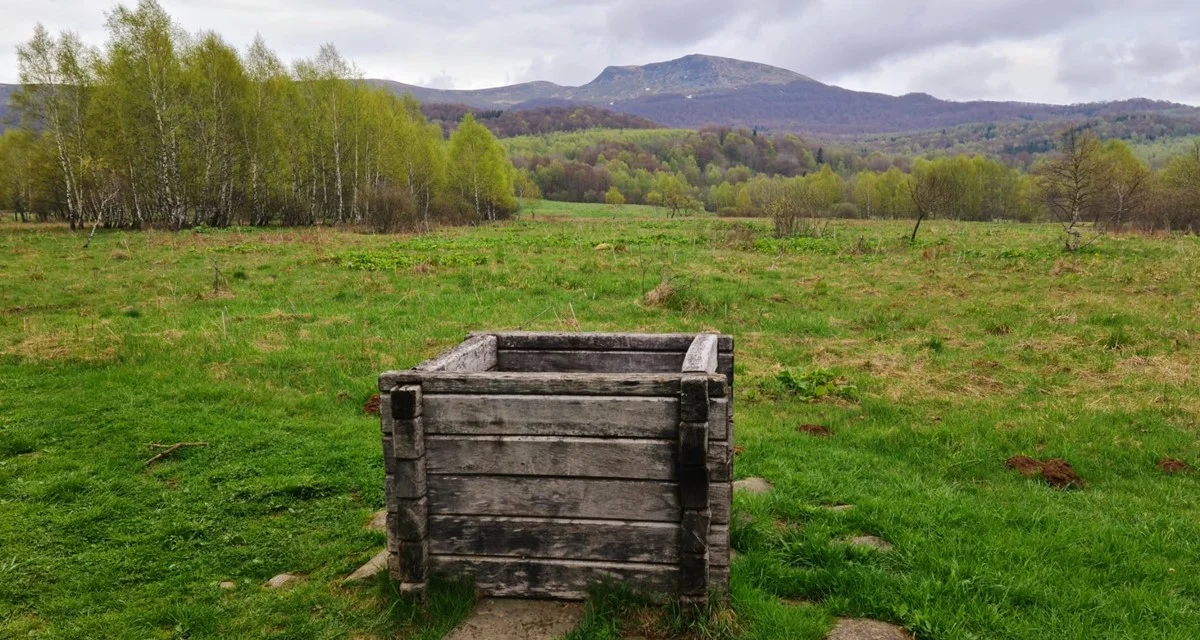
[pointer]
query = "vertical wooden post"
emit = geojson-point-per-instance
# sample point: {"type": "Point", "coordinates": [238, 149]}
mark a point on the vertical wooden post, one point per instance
{"type": "Point", "coordinates": [693, 488]}
{"type": "Point", "coordinates": [407, 504]}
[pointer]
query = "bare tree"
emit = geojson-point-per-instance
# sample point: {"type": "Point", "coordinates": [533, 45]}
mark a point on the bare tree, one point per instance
{"type": "Point", "coordinates": [1072, 182]}
{"type": "Point", "coordinates": [931, 191]}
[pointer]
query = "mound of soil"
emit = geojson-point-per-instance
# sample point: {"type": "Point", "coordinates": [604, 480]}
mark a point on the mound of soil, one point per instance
{"type": "Point", "coordinates": [1056, 472]}
{"type": "Point", "coordinates": [815, 430]}
{"type": "Point", "coordinates": [371, 407]}
{"type": "Point", "coordinates": [1024, 465]}
{"type": "Point", "coordinates": [1173, 466]}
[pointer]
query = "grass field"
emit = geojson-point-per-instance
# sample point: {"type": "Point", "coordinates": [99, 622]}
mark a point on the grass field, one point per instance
{"type": "Point", "coordinates": [939, 360]}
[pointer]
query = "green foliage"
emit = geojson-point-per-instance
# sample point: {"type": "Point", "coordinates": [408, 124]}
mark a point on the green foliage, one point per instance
{"type": "Point", "coordinates": [815, 385]}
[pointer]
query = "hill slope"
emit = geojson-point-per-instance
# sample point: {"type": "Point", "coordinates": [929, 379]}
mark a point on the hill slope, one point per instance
{"type": "Point", "coordinates": [698, 90]}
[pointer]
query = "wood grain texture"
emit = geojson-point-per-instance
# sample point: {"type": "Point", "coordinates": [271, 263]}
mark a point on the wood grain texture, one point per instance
{"type": "Point", "coordinates": [612, 416]}
{"type": "Point", "coordinates": [693, 574]}
{"type": "Point", "coordinates": [609, 540]}
{"type": "Point", "coordinates": [718, 418]}
{"type": "Point", "coordinates": [508, 383]}
{"type": "Point", "coordinates": [694, 531]}
{"type": "Point", "coordinates": [701, 356]}
{"type": "Point", "coordinates": [632, 459]}
{"type": "Point", "coordinates": [556, 579]}
{"type": "Point", "coordinates": [718, 545]}
{"type": "Point", "coordinates": [693, 397]}
{"type": "Point", "coordinates": [476, 353]}
{"type": "Point", "coordinates": [408, 439]}
{"type": "Point", "coordinates": [404, 402]}
{"type": "Point", "coordinates": [411, 519]}
{"type": "Point", "coordinates": [589, 361]}
{"type": "Point", "coordinates": [641, 500]}
{"type": "Point", "coordinates": [720, 501]}
{"type": "Point", "coordinates": [603, 341]}
{"type": "Point", "coordinates": [410, 478]}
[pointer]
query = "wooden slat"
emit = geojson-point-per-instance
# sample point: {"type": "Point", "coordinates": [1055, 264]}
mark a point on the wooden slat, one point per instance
{"type": "Point", "coordinates": [636, 459]}
{"type": "Point", "coordinates": [506, 383]}
{"type": "Point", "coordinates": [558, 579]}
{"type": "Point", "coordinates": [614, 416]}
{"type": "Point", "coordinates": [701, 356]}
{"type": "Point", "coordinates": [642, 500]}
{"type": "Point", "coordinates": [718, 545]}
{"type": "Point", "coordinates": [589, 361]}
{"type": "Point", "coordinates": [603, 341]}
{"type": "Point", "coordinates": [476, 353]}
{"type": "Point", "coordinates": [718, 419]}
{"type": "Point", "coordinates": [556, 456]}
{"type": "Point", "coordinates": [720, 501]}
{"type": "Point", "coordinates": [610, 540]}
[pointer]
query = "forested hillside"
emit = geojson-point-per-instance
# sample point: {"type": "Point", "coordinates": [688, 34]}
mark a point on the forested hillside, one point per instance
{"type": "Point", "coordinates": [507, 124]}
{"type": "Point", "coordinates": [164, 128]}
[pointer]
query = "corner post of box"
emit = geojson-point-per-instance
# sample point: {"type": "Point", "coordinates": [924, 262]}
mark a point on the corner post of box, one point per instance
{"type": "Point", "coordinates": [407, 504]}
{"type": "Point", "coordinates": [692, 466]}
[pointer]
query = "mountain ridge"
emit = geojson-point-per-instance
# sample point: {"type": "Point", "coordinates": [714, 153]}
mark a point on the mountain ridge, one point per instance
{"type": "Point", "coordinates": [698, 90]}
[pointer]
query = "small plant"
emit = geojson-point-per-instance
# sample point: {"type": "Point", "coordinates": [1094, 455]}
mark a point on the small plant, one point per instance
{"type": "Point", "coordinates": [816, 384]}
{"type": "Point", "coordinates": [934, 344]}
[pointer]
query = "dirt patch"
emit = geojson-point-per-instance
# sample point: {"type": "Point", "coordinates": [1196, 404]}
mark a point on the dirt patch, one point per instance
{"type": "Point", "coordinates": [814, 430]}
{"type": "Point", "coordinates": [371, 406]}
{"type": "Point", "coordinates": [861, 629]}
{"type": "Point", "coordinates": [1056, 472]}
{"type": "Point", "coordinates": [1173, 466]}
{"type": "Point", "coordinates": [1024, 465]}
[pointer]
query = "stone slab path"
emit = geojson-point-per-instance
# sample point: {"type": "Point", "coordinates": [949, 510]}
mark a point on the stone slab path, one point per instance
{"type": "Point", "coordinates": [861, 629]}
{"type": "Point", "coordinates": [503, 619]}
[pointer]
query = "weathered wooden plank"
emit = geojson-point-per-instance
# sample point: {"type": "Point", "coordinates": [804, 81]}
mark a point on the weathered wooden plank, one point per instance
{"type": "Point", "coordinates": [693, 444]}
{"type": "Point", "coordinates": [590, 361]}
{"type": "Point", "coordinates": [718, 581]}
{"type": "Point", "coordinates": [389, 460]}
{"type": "Point", "coordinates": [557, 579]}
{"type": "Point", "coordinates": [718, 418]}
{"type": "Point", "coordinates": [614, 416]}
{"type": "Point", "coordinates": [603, 341]}
{"type": "Point", "coordinates": [693, 487]}
{"type": "Point", "coordinates": [701, 356]}
{"type": "Point", "coordinates": [411, 519]}
{"type": "Point", "coordinates": [408, 439]}
{"type": "Point", "coordinates": [643, 500]}
{"type": "Point", "coordinates": [693, 574]}
{"type": "Point", "coordinates": [720, 501]}
{"type": "Point", "coordinates": [610, 540]}
{"type": "Point", "coordinates": [404, 402]}
{"type": "Point", "coordinates": [476, 353]}
{"type": "Point", "coordinates": [410, 562]}
{"type": "Point", "coordinates": [584, 384]}
{"type": "Point", "coordinates": [718, 545]}
{"type": "Point", "coordinates": [693, 397]}
{"type": "Point", "coordinates": [694, 531]}
{"type": "Point", "coordinates": [410, 478]}
{"type": "Point", "coordinates": [720, 468]}
{"type": "Point", "coordinates": [618, 458]}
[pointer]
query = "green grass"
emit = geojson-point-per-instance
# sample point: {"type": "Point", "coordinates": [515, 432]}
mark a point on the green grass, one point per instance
{"type": "Point", "coordinates": [981, 342]}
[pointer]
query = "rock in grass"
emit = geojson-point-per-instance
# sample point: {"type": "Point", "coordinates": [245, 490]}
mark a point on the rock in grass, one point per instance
{"type": "Point", "coordinates": [873, 542]}
{"type": "Point", "coordinates": [281, 580]}
{"type": "Point", "coordinates": [753, 485]}
{"type": "Point", "coordinates": [372, 567]}
{"type": "Point", "coordinates": [863, 629]}
{"type": "Point", "coordinates": [227, 584]}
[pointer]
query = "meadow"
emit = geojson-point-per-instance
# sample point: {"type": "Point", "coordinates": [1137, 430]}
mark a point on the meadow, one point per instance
{"type": "Point", "coordinates": [929, 364]}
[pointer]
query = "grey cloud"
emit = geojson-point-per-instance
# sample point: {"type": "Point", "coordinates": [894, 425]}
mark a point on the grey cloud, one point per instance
{"type": "Point", "coordinates": [1093, 48]}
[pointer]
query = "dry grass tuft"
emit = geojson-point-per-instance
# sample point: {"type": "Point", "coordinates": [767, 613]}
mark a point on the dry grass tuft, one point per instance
{"type": "Point", "coordinates": [660, 294]}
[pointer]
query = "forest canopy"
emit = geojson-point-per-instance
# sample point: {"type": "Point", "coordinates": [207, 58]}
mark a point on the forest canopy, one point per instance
{"type": "Point", "coordinates": [165, 128]}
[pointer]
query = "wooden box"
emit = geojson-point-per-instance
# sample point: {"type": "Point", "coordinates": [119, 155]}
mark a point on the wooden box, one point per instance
{"type": "Point", "coordinates": [540, 464]}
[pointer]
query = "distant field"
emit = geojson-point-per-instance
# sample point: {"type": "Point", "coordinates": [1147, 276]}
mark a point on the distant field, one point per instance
{"type": "Point", "coordinates": [931, 365]}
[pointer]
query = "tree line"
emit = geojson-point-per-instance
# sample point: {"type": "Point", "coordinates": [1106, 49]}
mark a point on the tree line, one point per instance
{"type": "Point", "coordinates": [744, 173]}
{"type": "Point", "coordinates": [165, 128]}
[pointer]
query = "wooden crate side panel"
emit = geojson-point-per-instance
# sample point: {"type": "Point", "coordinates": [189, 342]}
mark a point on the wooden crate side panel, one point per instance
{"type": "Point", "coordinates": [565, 457]}
{"type": "Point", "coordinates": [571, 416]}
{"type": "Point", "coordinates": [538, 360]}
{"type": "Point", "coordinates": [556, 538]}
{"type": "Point", "coordinates": [557, 579]}
{"type": "Point", "coordinates": [603, 341]}
{"type": "Point", "coordinates": [643, 500]}
{"type": "Point", "coordinates": [571, 384]}
{"type": "Point", "coordinates": [476, 353]}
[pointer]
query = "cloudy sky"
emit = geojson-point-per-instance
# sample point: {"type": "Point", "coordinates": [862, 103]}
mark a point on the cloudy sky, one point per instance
{"type": "Point", "coordinates": [1030, 50]}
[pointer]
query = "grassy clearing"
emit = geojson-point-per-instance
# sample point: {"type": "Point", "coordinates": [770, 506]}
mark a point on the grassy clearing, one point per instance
{"type": "Point", "coordinates": [930, 365]}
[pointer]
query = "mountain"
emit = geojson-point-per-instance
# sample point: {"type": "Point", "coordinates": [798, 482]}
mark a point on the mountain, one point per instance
{"type": "Point", "coordinates": [698, 90]}
{"type": "Point", "coordinates": [684, 76]}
